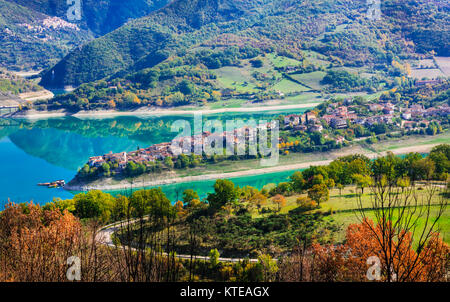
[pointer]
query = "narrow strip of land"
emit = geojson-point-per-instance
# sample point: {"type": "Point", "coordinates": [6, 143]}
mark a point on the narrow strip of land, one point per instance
{"type": "Point", "coordinates": [253, 172]}
{"type": "Point", "coordinates": [33, 114]}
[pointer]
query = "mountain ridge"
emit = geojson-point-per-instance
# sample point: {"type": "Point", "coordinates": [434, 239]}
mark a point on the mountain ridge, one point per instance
{"type": "Point", "coordinates": [36, 34]}
{"type": "Point", "coordinates": [33, 40]}
{"type": "Point", "coordinates": [286, 25]}
{"type": "Point", "coordinates": [100, 17]}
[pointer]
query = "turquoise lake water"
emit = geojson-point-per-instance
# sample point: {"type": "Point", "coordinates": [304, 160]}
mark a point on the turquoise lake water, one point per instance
{"type": "Point", "coordinates": [38, 151]}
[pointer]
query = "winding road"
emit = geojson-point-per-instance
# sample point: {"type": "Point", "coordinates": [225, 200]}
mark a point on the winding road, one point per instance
{"type": "Point", "coordinates": [104, 236]}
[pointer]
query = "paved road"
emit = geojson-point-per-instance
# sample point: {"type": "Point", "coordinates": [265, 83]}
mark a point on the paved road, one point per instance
{"type": "Point", "coordinates": [104, 236]}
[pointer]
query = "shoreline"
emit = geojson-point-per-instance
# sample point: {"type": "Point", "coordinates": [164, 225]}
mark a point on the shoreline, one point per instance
{"type": "Point", "coordinates": [125, 184]}
{"type": "Point", "coordinates": [157, 112]}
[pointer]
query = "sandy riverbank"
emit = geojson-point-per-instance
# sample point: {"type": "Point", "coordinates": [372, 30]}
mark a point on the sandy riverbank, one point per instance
{"type": "Point", "coordinates": [36, 95]}
{"type": "Point", "coordinates": [419, 149]}
{"type": "Point", "coordinates": [126, 184]}
{"type": "Point", "coordinates": [34, 114]}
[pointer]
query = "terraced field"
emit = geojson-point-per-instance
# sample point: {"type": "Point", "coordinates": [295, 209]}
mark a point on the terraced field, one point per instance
{"type": "Point", "coordinates": [444, 64]}
{"type": "Point", "coordinates": [311, 79]}
{"type": "Point", "coordinates": [243, 79]}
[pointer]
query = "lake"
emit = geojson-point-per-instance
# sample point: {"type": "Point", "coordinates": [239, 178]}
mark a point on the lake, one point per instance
{"type": "Point", "coordinates": [36, 151]}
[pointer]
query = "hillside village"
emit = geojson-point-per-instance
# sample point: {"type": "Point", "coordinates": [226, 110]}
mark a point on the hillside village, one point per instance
{"type": "Point", "coordinates": [51, 23]}
{"type": "Point", "coordinates": [170, 153]}
{"type": "Point", "coordinates": [336, 123]}
{"type": "Point", "coordinates": [341, 116]}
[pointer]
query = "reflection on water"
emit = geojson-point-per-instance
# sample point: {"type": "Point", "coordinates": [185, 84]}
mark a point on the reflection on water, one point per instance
{"type": "Point", "coordinates": [52, 149]}
{"type": "Point", "coordinates": [67, 150]}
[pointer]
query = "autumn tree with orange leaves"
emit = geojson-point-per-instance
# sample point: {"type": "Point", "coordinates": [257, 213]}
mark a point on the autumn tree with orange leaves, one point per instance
{"type": "Point", "coordinates": [280, 201]}
{"type": "Point", "coordinates": [400, 239]}
{"type": "Point", "coordinates": [36, 243]}
{"type": "Point", "coordinates": [405, 229]}
{"type": "Point", "coordinates": [349, 262]}
{"type": "Point", "coordinates": [403, 236]}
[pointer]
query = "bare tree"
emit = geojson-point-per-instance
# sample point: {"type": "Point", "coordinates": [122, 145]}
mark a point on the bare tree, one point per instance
{"type": "Point", "coordinates": [400, 216]}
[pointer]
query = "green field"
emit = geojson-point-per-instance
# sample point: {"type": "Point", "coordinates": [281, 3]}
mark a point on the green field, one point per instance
{"type": "Point", "coordinates": [280, 61]}
{"type": "Point", "coordinates": [316, 58]}
{"type": "Point", "coordinates": [343, 219]}
{"type": "Point", "coordinates": [311, 79]}
{"type": "Point", "coordinates": [287, 86]}
{"type": "Point", "coordinates": [242, 80]}
{"type": "Point", "coordinates": [408, 141]}
{"type": "Point", "coordinates": [236, 78]}
{"type": "Point", "coordinates": [345, 211]}
{"type": "Point", "coordinates": [304, 98]}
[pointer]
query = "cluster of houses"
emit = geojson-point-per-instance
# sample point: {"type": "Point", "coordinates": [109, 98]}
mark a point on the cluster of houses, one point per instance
{"type": "Point", "coordinates": [140, 156]}
{"type": "Point", "coordinates": [337, 117]}
{"type": "Point", "coordinates": [416, 115]}
{"type": "Point", "coordinates": [53, 23]}
{"type": "Point", "coordinates": [411, 116]}
{"type": "Point", "coordinates": [340, 115]}
{"type": "Point", "coordinates": [418, 111]}
{"type": "Point", "coordinates": [308, 121]}
{"type": "Point", "coordinates": [183, 145]}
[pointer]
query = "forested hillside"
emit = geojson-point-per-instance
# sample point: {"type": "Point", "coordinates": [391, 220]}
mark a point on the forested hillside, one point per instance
{"type": "Point", "coordinates": [100, 17]}
{"type": "Point", "coordinates": [338, 30]}
{"type": "Point", "coordinates": [426, 23]}
{"type": "Point", "coordinates": [36, 34]}
{"type": "Point", "coordinates": [33, 40]}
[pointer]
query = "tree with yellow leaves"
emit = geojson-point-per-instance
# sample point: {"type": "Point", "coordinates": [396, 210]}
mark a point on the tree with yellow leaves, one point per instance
{"type": "Point", "coordinates": [216, 95]}
{"type": "Point", "coordinates": [179, 207]}
{"type": "Point", "coordinates": [280, 201]}
{"type": "Point", "coordinates": [111, 104]}
{"type": "Point", "coordinates": [258, 200]}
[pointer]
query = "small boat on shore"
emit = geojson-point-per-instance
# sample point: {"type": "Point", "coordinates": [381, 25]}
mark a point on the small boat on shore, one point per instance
{"type": "Point", "coordinates": [52, 185]}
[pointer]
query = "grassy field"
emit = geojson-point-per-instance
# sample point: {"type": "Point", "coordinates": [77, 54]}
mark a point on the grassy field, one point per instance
{"type": "Point", "coordinates": [343, 203]}
{"type": "Point", "coordinates": [241, 78]}
{"type": "Point", "coordinates": [316, 58]}
{"type": "Point", "coordinates": [311, 79]}
{"type": "Point", "coordinates": [417, 140]}
{"type": "Point", "coordinates": [344, 219]}
{"type": "Point", "coordinates": [281, 61]}
{"type": "Point", "coordinates": [304, 98]}
{"type": "Point", "coordinates": [288, 86]}
{"type": "Point", "coordinates": [344, 210]}
{"type": "Point", "coordinates": [427, 73]}
{"type": "Point", "coordinates": [444, 64]}
{"type": "Point", "coordinates": [236, 78]}
{"type": "Point", "coordinates": [232, 103]}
